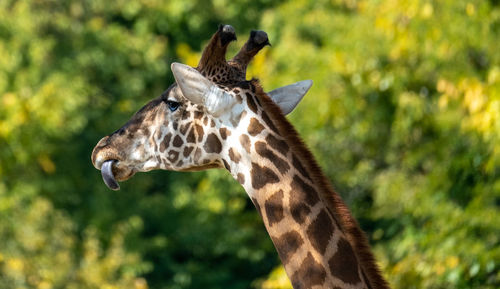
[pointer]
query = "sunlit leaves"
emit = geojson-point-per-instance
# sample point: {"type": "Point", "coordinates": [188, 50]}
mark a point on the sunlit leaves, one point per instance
{"type": "Point", "coordinates": [403, 117]}
{"type": "Point", "coordinates": [405, 106]}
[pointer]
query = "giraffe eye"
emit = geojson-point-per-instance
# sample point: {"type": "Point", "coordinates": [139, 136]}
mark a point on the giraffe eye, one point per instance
{"type": "Point", "coordinates": [173, 105]}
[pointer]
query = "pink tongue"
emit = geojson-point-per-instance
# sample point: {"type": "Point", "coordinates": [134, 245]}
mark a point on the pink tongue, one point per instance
{"type": "Point", "coordinates": [107, 175]}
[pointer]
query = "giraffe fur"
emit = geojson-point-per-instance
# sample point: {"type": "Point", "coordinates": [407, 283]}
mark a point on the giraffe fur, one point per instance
{"type": "Point", "coordinates": [212, 117]}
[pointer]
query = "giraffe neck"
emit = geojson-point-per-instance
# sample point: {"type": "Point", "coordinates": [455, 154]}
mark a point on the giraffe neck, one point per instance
{"type": "Point", "coordinates": [309, 240]}
{"type": "Point", "coordinates": [311, 228]}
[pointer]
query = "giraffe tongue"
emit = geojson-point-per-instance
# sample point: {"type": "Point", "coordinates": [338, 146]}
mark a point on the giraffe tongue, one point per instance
{"type": "Point", "coordinates": [107, 175]}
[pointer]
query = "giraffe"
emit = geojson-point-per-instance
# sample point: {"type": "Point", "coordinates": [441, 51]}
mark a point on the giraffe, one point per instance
{"type": "Point", "coordinates": [212, 117]}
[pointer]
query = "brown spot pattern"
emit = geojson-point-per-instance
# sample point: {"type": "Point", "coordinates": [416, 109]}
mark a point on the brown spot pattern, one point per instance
{"type": "Point", "coordinates": [187, 151]}
{"type": "Point", "coordinates": [281, 165]}
{"type": "Point", "coordinates": [309, 274]}
{"type": "Point", "coordinates": [287, 244]}
{"type": "Point", "coordinates": [254, 128]}
{"type": "Point", "coordinates": [269, 123]}
{"type": "Point", "coordinates": [262, 176]}
{"type": "Point", "coordinates": [279, 145]}
{"type": "Point", "coordinates": [166, 142]}
{"type": "Point", "coordinates": [184, 128]}
{"type": "Point", "coordinates": [177, 141]}
{"type": "Point", "coordinates": [190, 137]}
{"type": "Point", "coordinates": [199, 131]}
{"type": "Point", "coordinates": [212, 144]}
{"type": "Point", "coordinates": [245, 142]}
{"type": "Point", "coordinates": [320, 232]}
{"type": "Point", "coordinates": [198, 114]}
{"type": "Point", "coordinates": [311, 195]}
{"type": "Point", "coordinates": [197, 154]}
{"type": "Point", "coordinates": [241, 178]}
{"type": "Point", "coordinates": [234, 155]}
{"type": "Point", "coordinates": [296, 163]}
{"type": "Point", "coordinates": [186, 115]}
{"type": "Point", "coordinates": [299, 210]}
{"type": "Point", "coordinates": [224, 133]}
{"type": "Point", "coordinates": [173, 155]}
{"type": "Point", "coordinates": [344, 264]}
{"type": "Point", "coordinates": [304, 198]}
{"type": "Point", "coordinates": [274, 208]}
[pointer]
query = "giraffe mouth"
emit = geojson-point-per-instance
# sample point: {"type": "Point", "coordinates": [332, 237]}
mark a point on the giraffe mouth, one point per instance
{"type": "Point", "coordinates": [107, 175]}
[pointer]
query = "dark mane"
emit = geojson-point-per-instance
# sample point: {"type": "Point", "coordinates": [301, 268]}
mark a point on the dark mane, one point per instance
{"type": "Point", "coordinates": [334, 203]}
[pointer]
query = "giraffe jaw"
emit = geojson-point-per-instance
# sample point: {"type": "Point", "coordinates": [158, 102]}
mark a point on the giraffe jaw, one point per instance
{"type": "Point", "coordinates": [110, 180]}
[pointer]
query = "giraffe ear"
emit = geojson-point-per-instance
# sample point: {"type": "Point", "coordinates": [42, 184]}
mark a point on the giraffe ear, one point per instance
{"type": "Point", "coordinates": [287, 97]}
{"type": "Point", "coordinates": [199, 90]}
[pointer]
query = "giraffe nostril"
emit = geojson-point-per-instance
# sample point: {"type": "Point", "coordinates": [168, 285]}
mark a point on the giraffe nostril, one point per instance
{"type": "Point", "coordinates": [102, 142]}
{"type": "Point", "coordinates": [100, 152]}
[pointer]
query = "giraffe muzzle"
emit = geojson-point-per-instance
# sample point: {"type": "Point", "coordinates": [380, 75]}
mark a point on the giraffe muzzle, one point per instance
{"type": "Point", "coordinates": [107, 175]}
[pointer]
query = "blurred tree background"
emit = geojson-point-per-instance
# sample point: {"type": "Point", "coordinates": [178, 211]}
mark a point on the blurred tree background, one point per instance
{"type": "Point", "coordinates": [404, 117]}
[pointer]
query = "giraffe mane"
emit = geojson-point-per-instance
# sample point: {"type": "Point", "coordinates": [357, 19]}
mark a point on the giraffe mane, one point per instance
{"type": "Point", "coordinates": [334, 203]}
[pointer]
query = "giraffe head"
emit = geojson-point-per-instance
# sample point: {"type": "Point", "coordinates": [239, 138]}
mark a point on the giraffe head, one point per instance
{"type": "Point", "coordinates": [186, 127]}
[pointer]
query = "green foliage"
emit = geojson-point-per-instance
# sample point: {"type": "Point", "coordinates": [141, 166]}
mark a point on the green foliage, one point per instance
{"type": "Point", "coordinates": [70, 73]}
{"type": "Point", "coordinates": [404, 117]}
{"type": "Point", "coordinates": [406, 122]}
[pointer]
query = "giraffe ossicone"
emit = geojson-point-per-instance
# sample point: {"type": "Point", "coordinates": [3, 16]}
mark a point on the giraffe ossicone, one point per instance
{"type": "Point", "coordinates": [212, 117]}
